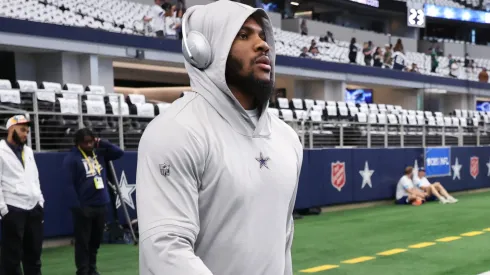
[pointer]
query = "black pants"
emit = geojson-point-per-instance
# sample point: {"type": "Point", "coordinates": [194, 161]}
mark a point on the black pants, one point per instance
{"type": "Point", "coordinates": [89, 225]}
{"type": "Point", "coordinates": [22, 241]}
{"type": "Point", "coordinates": [160, 34]}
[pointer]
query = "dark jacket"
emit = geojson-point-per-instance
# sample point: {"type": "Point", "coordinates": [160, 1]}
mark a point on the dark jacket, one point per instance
{"type": "Point", "coordinates": [79, 181]}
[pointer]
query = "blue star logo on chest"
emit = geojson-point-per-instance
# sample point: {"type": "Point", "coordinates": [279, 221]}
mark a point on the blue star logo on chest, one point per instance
{"type": "Point", "coordinates": [263, 161]}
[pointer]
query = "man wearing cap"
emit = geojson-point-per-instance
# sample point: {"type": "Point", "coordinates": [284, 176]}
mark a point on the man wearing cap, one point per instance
{"type": "Point", "coordinates": [21, 202]}
{"type": "Point", "coordinates": [433, 191]}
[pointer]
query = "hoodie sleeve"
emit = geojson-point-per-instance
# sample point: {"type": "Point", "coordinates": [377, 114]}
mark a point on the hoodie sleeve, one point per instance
{"type": "Point", "coordinates": [38, 182]}
{"type": "Point", "coordinates": [109, 150]}
{"type": "Point", "coordinates": [70, 180]}
{"type": "Point", "coordinates": [3, 207]}
{"type": "Point", "coordinates": [288, 270]}
{"type": "Point", "coordinates": [169, 170]}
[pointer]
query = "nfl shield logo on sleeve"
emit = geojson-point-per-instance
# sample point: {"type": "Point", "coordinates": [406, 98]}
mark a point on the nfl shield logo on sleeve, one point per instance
{"type": "Point", "coordinates": [474, 167]}
{"type": "Point", "coordinates": [165, 169]}
{"type": "Point", "coordinates": [338, 175]}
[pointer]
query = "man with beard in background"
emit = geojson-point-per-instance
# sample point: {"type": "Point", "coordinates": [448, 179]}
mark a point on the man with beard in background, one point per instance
{"type": "Point", "coordinates": [217, 174]}
{"type": "Point", "coordinates": [21, 202]}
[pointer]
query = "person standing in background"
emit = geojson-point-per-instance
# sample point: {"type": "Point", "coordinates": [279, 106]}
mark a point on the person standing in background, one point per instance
{"type": "Point", "coordinates": [172, 23]}
{"type": "Point", "coordinates": [155, 18]}
{"type": "Point", "coordinates": [304, 27]}
{"type": "Point", "coordinates": [434, 62]}
{"type": "Point", "coordinates": [86, 181]}
{"type": "Point", "coordinates": [21, 202]}
{"type": "Point", "coordinates": [378, 58]}
{"type": "Point", "coordinates": [353, 50]}
{"type": "Point", "coordinates": [483, 75]}
{"type": "Point", "coordinates": [368, 51]}
{"type": "Point", "coordinates": [388, 56]}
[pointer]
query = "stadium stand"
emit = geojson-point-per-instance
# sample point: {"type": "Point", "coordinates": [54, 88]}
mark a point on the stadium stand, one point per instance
{"type": "Point", "coordinates": [59, 110]}
{"type": "Point", "coordinates": [126, 17]}
{"type": "Point", "coordinates": [462, 4]}
{"type": "Point", "coordinates": [444, 3]}
{"type": "Point", "coordinates": [116, 16]}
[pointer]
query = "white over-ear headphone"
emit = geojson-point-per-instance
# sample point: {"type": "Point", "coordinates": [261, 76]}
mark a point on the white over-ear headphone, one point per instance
{"type": "Point", "coordinates": [195, 46]}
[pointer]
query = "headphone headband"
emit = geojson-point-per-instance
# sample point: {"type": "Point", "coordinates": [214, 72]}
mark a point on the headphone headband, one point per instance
{"type": "Point", "coordinates": [184, 31]}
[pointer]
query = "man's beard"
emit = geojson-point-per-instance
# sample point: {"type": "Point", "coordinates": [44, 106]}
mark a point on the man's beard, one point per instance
{"type": "Point", "coordinates": [17, 140]}
{"type": "Point", "coordinates": [261, 90]}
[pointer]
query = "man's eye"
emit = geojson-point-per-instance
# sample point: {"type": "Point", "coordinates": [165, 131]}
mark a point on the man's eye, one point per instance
{"type": "Point", "coordinates": [243, 36]}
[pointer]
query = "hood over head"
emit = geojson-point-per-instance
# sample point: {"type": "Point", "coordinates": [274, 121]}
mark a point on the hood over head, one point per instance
{"type": "Point", "coordinates": [220, 22]}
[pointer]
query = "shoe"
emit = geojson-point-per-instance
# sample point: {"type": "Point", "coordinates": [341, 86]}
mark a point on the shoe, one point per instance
{"type": "Point", "coordinates": [444, 201]}
{"type": "Point", "coordinates": [452, 200]}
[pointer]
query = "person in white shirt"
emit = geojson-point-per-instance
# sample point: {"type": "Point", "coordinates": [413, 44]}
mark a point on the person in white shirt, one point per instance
{"type": "Point", "coordinates": [156, 18]}
{"type": "Point", "coordinates": [21, 202]}
{"type": "Point", "coordinates": [172, 23]}
{"type": "Point", "coordinates": [434, 191]}
{"type": "Point", "coordinates": [406, 193]}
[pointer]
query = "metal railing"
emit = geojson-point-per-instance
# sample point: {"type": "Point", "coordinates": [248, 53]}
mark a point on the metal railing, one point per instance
{"type": "Point", "coordinates": [349, 134]}
{"type": "Point", "coordinates": [53, 127]}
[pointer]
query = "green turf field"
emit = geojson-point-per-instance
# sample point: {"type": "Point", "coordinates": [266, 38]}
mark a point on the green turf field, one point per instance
{"type": "Point", "coordinates": [331, 238]}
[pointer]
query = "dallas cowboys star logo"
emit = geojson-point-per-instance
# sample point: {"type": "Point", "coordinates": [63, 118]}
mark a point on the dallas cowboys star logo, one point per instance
{"type": "Point", "coordinates": [126, 192]}
{"type": "Point", "coordinates": [366, 176]}
{"type": "Point", "coordinates": [457, 170]}
{"type": "Point", "coordinates": [263, 161]}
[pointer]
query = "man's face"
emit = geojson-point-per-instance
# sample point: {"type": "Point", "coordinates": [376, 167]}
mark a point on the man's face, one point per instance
{"type": "Point", "coordinates": [248, 66]}
{"type": "Point", "coordinates": [421, 174]}
{"type": "Point", "coordinates": [19, 133]}
{"type": "Point", "coordinates": [251, 50]}
{"type": "Point", "coordinates": [87, 144]}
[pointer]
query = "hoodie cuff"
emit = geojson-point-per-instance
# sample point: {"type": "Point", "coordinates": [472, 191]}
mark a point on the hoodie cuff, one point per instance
{"type": "Point", "coordinates": [4, 211]}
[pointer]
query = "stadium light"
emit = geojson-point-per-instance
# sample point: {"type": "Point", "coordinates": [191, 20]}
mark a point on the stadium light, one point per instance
{"type": "Point", "coordinates": [295, 3]}
{"type": "Point", "coordinates": [459, 14]}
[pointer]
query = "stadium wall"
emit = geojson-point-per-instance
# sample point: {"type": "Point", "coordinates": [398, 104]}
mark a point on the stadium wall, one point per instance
{"type": "Point", "coordinates": [316, 186]}
{"type": "Point", "coordinates": [65, 67]}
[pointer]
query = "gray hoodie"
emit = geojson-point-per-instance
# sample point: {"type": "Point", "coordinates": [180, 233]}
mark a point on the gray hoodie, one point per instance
{"type": "Point", "coordinates": [215, 192]}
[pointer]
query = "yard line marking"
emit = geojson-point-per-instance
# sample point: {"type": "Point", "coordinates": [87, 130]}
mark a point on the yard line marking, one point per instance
{"type": "Point", "coordinates": [448, 239]}
{"type": "Point", "coordinates": [392, 252]}
{"type": "Point", "coordinates": [319, 268]}
{"type": "Point", "coordinates": [421, 245]}
{"type": "Point", "coordinates": [472, 233]}
{"type": "Point", "coordinates": [358, 260]}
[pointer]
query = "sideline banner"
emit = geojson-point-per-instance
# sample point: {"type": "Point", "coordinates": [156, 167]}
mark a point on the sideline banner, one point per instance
{"type": "Point", "coordinates": [437, 161]}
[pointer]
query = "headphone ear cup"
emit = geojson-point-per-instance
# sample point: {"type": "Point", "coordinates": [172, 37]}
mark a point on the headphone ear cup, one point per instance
{"type": "Point", "coordinates": [200, 50]}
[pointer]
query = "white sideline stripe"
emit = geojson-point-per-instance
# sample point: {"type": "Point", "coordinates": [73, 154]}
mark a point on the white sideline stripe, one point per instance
{"type": "Point", "coordinates": [486, 273]}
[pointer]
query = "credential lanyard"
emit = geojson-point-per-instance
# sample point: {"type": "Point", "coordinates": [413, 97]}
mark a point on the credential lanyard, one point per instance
{"type": "Point", "coordinates": [92, 169]}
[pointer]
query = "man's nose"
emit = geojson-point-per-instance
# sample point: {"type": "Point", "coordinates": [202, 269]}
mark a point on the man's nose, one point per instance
{"type": "Point", "coordinates": [262, 46]}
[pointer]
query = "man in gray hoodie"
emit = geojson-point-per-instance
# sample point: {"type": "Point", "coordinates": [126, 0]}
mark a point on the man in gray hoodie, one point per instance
{"type": "Point", "coordinates": [217, 174]}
